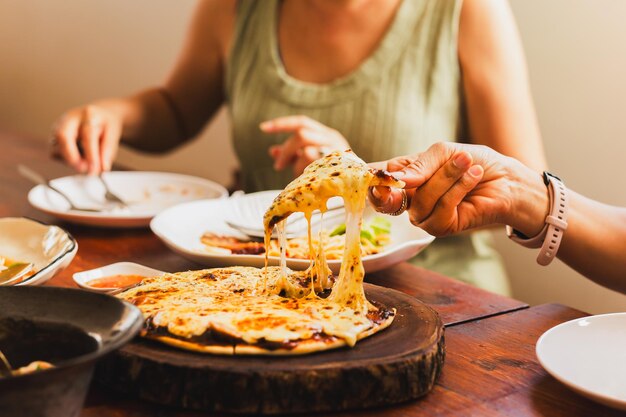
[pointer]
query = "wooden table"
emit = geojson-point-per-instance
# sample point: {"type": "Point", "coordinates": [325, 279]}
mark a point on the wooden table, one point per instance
{"type": "Point", "coordinates": [490, 368]}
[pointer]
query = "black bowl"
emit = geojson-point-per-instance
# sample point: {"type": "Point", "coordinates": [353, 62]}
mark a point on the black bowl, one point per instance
{"type": "Point", "coordinates": [71, 329]}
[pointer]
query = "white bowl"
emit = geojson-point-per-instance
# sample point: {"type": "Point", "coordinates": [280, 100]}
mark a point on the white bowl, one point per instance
{"type": "Point", "coordinates": [83, 278]}
{"type": "Point", "coordinates": [49, 248]}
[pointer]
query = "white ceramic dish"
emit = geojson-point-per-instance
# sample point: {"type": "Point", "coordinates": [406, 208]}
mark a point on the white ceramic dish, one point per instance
{"type": "Point", "coordinates": [49, 248]}
{"type": "Point", "coordinates": [83, 278]}
{"type": "Point", "coordinates": [589, 356]}
{"type": "Point", "coordinates": [146, 193]}
{"type": "Point", "coordinates": [181, 227]}
{"type": "Point", "coordinates": [247, 210]}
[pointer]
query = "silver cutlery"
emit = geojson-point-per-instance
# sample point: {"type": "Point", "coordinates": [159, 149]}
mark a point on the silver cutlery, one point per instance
{"type": "Point", "coordinates": [37, 178]}
{"type": "Point", "coordinates": [110, 195]}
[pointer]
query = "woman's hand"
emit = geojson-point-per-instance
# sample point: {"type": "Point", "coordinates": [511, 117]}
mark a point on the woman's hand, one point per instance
{"type": "Point", "coordinates": [454, 187]}
{"type": "Point", "coordinates": [88, 138]}
{"type": "Point", "coordinates": [308, 141]}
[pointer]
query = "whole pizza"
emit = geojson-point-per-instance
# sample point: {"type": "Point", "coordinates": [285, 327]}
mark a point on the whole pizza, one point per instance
{"type": "Point", "coordinates": [273, 310]}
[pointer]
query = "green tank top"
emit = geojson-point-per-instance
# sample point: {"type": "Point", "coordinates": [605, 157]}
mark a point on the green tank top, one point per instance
{"type": "Point", "coordinates": [404, 97]}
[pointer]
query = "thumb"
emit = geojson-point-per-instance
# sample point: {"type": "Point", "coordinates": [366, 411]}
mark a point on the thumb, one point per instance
{"type": "Point", "coordinates": [426, 164]}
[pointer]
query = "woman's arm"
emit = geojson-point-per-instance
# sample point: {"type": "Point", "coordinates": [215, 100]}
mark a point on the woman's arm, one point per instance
{"type": "Point", "coordinates": [500, 110]}
{"type": "Point", "coordinates": [159, 118]}
{"type": "Point", "coordinates": [456, 187]}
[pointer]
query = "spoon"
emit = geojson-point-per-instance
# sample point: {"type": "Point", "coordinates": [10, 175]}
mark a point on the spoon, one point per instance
{"type": "Point", "coordinates": [37, 178]}
{"type": "Point", "coordinates": [15, 272]}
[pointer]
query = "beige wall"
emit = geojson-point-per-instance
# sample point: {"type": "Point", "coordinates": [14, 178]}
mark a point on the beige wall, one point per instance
{"type": "Point", "coordinates": [57, 54]}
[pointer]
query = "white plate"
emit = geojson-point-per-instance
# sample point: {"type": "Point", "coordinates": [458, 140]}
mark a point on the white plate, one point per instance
{"type": "Point", "coordinates": [589, 356]}
{"type": "Point", "coordinates": [181, 227]}
{"type": "Point", "coordinates": [49, 248]}
{"type": "Point", "coordinates": [246, 214]}
{"type": "Point", "coordinates": [124, 268]}
{"type": "Point", "coordinates": [146, 193]}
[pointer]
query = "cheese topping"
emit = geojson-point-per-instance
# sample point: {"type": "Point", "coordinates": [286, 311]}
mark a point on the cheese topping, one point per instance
{"type": "Point", "coordinates": [337, 174]}
{"type": "Point", "coordinates": [225, 300]}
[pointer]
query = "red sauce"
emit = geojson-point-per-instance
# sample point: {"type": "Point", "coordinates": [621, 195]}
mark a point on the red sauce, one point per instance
{"type": "Point", "coordinates": [115, 281]}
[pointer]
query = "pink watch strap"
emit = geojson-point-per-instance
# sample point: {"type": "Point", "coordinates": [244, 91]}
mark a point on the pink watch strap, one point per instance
{"type": "Point", "coordinates": [549, 239]}
{"type": "Point", "coordinates": [556, 220]}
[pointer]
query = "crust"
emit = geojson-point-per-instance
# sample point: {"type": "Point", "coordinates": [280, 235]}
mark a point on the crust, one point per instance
{"type": "Point", "coordinates": [304, 347]}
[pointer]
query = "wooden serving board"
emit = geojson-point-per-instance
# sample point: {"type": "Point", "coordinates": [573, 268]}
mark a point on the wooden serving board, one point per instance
{"type": "Point", "coordinates": [400, 363]}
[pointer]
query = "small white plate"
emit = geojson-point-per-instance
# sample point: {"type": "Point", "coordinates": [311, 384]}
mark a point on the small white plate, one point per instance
{"type": "Point", "coordinates": [146, 193]}
{"type": "Point", "coordinates": [83, 278]}
{"type": "Point", "coordinates": [589, 356]}
{"type": "Point", "coordinates": [49, 248]}
{"type": "Point", "coordinates": [182, 226]}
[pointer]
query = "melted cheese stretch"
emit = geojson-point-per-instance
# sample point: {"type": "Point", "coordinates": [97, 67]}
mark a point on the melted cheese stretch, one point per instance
{"type": "Point", "coordinates": [227, 300]}
{"type": "Point", "coordinates": [337, 174]}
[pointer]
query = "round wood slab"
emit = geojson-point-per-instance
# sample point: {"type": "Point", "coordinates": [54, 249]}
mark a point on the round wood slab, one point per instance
{"type": "Point", "coordinates": [398, 364]}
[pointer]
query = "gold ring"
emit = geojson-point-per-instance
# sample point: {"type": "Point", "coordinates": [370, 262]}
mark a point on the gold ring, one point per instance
{"type": "Point", "coordinates": [403, 205]}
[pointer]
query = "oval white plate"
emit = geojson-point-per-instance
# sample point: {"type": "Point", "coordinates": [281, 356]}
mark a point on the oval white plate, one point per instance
{"type": "Point", "coordinates": [124, 268]}
{"type": "Point", "coordinates": [181, 227]}
{"type": "Point", "coordinates": [146, 193]}
{"type": "Point", "coordinates": [49, 248]}
{"type": "Point", "coordinates": [589, 356]}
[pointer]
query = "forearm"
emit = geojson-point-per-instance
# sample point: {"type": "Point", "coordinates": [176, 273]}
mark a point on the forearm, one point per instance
{"type": "Point", "coordinates": [147, 121]}
{"type": "Point", "coordinates": [594, 243]}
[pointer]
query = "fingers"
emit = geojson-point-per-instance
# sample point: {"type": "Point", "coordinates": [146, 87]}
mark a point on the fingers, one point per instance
{"type": "Point", "coordinates": [424, 165]}
{"type": "Point", "coordinates": [306, 132]}
{"type": "Point", "coordinates": [448, 216]}
{"type": "Point", "coordinates": [385, 199]}
{"type": "Point", "coordinates": [290, 149]}
{"type": "Point", "coordinates": [88, 138]}
{"type": "Point", "coordinates": [66, 135]}
{"type": "Point", "coordinates": [109, 145]}
{"type": "Point", "coordinates": [306, 156]}
{"type": "Point", "coordinates": [289, 124]}
{"type": "Point", "coordinates": [427, 195]}
{"type": "Point", "coordinates": [91, 130]}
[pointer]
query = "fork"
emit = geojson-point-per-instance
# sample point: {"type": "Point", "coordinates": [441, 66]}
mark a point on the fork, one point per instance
{"type": "Point", "coordinates": [37, 178]}
{"type": "Point", "coordinates": [110, 195]}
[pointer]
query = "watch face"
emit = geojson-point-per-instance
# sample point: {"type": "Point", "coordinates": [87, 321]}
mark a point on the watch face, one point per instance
{"type": "Point", "coordinates": [546, 177]}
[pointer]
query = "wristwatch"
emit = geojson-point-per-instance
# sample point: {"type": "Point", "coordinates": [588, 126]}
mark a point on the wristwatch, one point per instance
{"type": "Point", "coordinates": [549, 238]}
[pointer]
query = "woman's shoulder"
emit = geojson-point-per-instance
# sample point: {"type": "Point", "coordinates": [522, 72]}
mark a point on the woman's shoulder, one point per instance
{"type": "Point", "coordinates": [215, 19]}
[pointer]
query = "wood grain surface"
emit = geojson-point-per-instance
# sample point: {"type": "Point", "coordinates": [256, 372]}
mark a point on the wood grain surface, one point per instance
{"type": "Point", "coordinates": [400, 363]}
{"type": "Point", "coordinates": [490, 370]}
